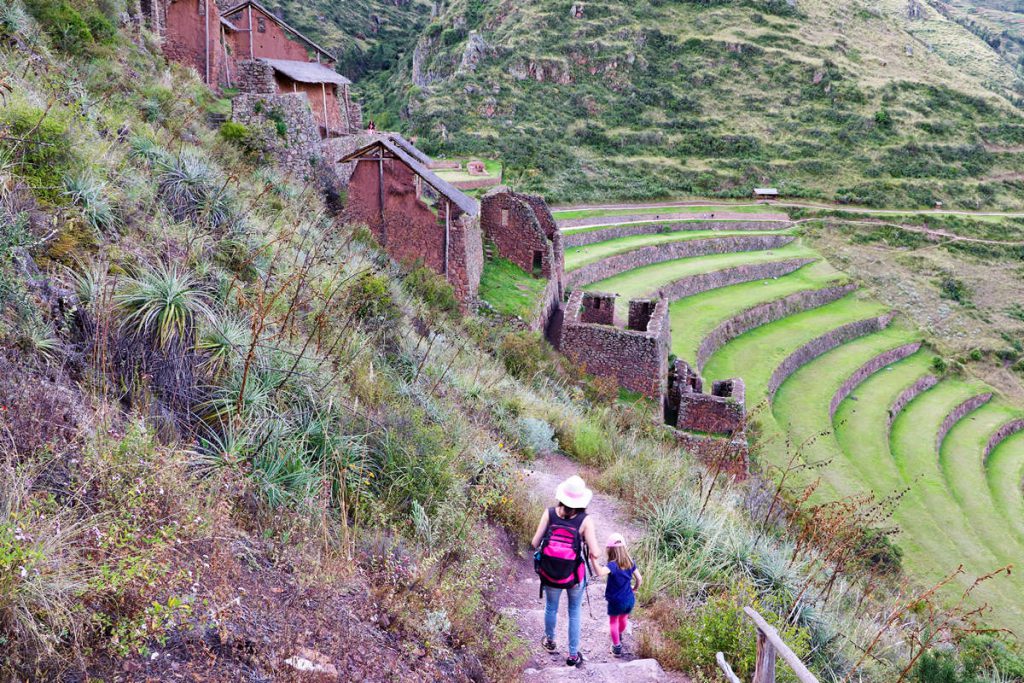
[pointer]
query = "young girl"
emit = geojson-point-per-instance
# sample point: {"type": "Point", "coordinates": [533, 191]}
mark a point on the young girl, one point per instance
{"type": "Point", "coordinates": [623, 579]}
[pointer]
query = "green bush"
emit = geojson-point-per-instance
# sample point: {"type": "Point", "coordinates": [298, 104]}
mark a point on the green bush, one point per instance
{"type": "Point", "coordinates": [522, 353]}
{"type": "Point", "coordinates": [63, 24]}
{"type": "Point", "coordinates": [244, 138]}
{"type": "Point", "coordinates": [40, 147]}
{"type": "Point", "coordinates": [587, 441]}
{"type": "Point", "coordinates": [424, 283]}
{"type": "Point", "coordinates": [370, 302]}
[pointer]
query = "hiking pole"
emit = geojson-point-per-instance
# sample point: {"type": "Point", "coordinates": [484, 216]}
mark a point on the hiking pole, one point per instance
{"type": "Point", "coordinates": [586, 584]}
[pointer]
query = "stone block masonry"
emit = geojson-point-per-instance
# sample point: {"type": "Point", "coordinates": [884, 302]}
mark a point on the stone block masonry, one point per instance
{"type": "Point", "coordinates": [581, 238]}
{"type": "Point", "coordinates": [880, 361]}
{"type": "Point", "coordinates": [957, 414]}
{"type": "Point", "coordinates": [909, 394]}
{"type": "Point", "coordinates": [511, 223]}
{"type": "Point", "coordinates": [288, 127]}
{"type": "Point", "coordinates": [1001, 435]}
{"type": "Point", "coordinates": [824, 344]}
{"type": "Point", "coordinates": [256, 77]}
{"type": "Point", "coordinates": [637, 359]}
{"type": "Point", "coordinates": [645, 256]}
{"type": "Point", "coordinates": [703, 282]}
{"type": "Point", "coordinates": [722, 411]}
{"type": "Point", "coordinates": [765, 313]}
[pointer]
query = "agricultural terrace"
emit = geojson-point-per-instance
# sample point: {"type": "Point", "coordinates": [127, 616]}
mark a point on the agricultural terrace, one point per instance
{"type": "Point", "coordinates": [827, 366]}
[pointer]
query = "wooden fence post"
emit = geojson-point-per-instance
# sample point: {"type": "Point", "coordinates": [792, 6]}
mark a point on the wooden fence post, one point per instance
{"type": "Point", "coordinates": [764, 669]}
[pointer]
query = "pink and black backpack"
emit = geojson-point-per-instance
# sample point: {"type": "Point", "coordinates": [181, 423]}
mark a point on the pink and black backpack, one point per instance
{"type": "Point", "coordinates": [560, 562]}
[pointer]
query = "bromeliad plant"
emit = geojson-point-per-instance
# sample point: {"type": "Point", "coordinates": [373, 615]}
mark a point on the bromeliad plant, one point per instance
{"type": "Point", "coordinates": [164, 304]}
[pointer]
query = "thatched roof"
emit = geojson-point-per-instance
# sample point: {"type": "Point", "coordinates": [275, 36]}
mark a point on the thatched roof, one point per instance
{"type": "Point", "coordinates": [466, 203]}
{"type": "Point", "coordinates": [306, 72]}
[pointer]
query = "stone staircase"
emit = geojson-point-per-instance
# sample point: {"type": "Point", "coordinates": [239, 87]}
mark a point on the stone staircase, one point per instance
{"type": "Point", "coordinates": [528, 610]}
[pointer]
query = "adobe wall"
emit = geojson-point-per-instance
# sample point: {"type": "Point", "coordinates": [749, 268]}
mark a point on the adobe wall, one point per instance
{"type": "Point", "coordinates": [410, 231]}
{"type": "Point", "coordinates": [298, 152]}
{"type": "Point", "coordinates": [880, 361]}
{"type": "Point", "coordinates": [1001, 435]}
{"type": "Point", "coordinates": [509, 221]}
{"type": "Point", "coordinates": [268, 39]}
{"type": "Point", "coordinates": [645, 256]}
{"type": "Point", "coordinates": [957, 414]}
{"type": "Point", "coordinates": [703, 282]}
{"type": "Point", "coordinates": [637, 360]}
{"type": "Point", "coordinates": [824, 344]}
{"type": "Point", "coordinates": [922, 385]}
{"type": "Point", "coordinates": [185, 35]}
{"type": "Point", "coordinates": [582, 238]}
{"type": "Point", "coordinates": [765, 313]}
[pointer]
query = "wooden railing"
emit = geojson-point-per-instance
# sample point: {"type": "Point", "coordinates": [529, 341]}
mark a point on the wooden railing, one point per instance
{"type": "Point", "coordinates": [769, 646]}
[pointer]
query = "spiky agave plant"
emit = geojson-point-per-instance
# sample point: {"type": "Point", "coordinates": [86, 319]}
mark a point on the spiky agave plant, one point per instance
{"type": "Point", "coordinates": [39, 338]}
{"type": "Point", "coordinates": [163, 304]}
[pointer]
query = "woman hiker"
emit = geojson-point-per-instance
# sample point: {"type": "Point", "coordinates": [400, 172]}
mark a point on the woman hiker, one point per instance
{"type": "Point", "coordinates": [564, 543]}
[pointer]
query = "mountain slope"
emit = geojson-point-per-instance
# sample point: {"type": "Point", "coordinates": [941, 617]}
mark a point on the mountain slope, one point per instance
{"type": "Point", "coordinates": [638, 99]}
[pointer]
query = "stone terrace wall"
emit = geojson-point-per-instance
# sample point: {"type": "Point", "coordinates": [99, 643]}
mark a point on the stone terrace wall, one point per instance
{"type": "Point", "coordinates": [1001, 435]}
{"type": "Point", "coordinates": [824, 344]}
{"type": "Point", "coordinates": [957, 414]}
{"type": "Point", "coordinates": [551, 298]}
{"type": "Point", "coordinates": [637, 360]}
{"type": "Point", "coordinates": [465, 255]}
{"type": "Point", "coordinates": [670, 217]}
{"type": "Point", "coordinates": [581, 238]}
{"type": "Point", "coordinates": [298, 151]}
{"type": "Point", "coordinates": [731, 456]}
{"type": "Point", "coordinates": [871, 367]}
{"type": "Point", "coordinates": [703, 282]}
{"type": "Point", "coordinates": [645, 256]}
{"type": "Point", "coordinates": [711, 413]}
{"type": "Point", "coordinates": [765, 313]}
{"type": "Point", "coordinates": [909, 394]}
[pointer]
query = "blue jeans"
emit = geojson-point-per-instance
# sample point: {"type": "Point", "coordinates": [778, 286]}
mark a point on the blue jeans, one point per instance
{"type": "Point", "coordinates": [551, 598]}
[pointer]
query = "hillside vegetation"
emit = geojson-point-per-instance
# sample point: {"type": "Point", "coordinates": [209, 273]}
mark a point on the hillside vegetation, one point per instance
{"type": "Point", "coordinates": [825, 99]}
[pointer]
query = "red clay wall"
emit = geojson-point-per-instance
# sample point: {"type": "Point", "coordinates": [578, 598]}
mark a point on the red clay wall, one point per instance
{"type": "Point", "coordinates": [273, 42]}
{"type": "Point", "coordinates": [186, 33]}
{"type": "Point", "coordinates": [410, 231]}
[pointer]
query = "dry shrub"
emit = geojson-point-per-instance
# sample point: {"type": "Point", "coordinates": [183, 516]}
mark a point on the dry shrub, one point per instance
{"type": "Point", "coordinates": [38, 409]}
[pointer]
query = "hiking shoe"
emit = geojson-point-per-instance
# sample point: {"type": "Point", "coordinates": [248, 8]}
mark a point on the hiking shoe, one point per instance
{"type": "Point", "coordinates": [617, 650]}
{"type": "Point", "coordinates": [548, 644]}
{"type": "Point", "coordinates": [574, 660]}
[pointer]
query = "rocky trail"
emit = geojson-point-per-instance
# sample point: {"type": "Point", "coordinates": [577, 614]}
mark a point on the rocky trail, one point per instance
{"type": "Point", "coordinates": [528, 610]}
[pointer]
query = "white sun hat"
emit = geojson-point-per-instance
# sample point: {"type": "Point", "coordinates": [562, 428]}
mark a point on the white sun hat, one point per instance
{"type": "Point", "coordinates": [573, 493]}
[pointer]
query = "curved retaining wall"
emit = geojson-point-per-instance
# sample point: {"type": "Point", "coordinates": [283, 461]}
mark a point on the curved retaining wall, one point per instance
{"type": "Point", "coordinates": [673, 217]}
{"type": "Point", "coordinates": [584, 237]}
{"type": "Point", "coordinates": [957, 414]}
{"type": "Point", "coordinates": [657, 253]}
{"type": "Point", "coordinates": [824, 344]}
{"type": "Point", "coordinates": [1001, 435]}
{"type": "Point", "coordinates": [765, 313]}
{"type": "Point", "coordinates": [871, 367]}
{"type": "Point", "coordinates": [909, 394]}
{"type": "Point", "coordinates": [695, 284]}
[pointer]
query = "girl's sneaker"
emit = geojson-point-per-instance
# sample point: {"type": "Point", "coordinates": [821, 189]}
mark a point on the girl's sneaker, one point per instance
{"type": "Point", "coordinates": [576, 660]}
{"type": "Point", "coordinates": [548, 644]}
{"type": "Point", "coordinates": [617, 650]}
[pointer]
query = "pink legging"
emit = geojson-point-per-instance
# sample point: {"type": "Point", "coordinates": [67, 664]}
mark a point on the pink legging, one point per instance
{"type": "Point", "coordinates": [617, 626]}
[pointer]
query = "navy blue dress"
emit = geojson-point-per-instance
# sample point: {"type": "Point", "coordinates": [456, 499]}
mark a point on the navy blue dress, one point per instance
{"type": "Point", "coordinates": [619, 591]}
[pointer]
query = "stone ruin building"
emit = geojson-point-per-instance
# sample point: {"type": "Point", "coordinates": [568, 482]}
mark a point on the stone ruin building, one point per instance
{"type": "Point", "coordinates": [636, 355]}
{"type": "Point", "coordinates": [415, 215]}
{"type": "Point", "coordinates": [279, 72]}
{"type": "Point", "coordinates": [688, 408]}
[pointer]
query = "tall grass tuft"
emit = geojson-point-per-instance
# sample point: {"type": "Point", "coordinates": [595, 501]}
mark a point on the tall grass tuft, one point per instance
{"type": "Point", "coordinates": [164, 304]}
{"type": "Point", "coordinates": [226, 339]}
